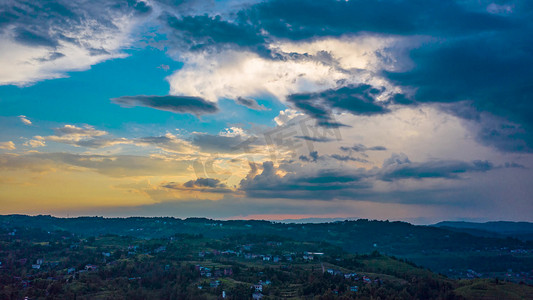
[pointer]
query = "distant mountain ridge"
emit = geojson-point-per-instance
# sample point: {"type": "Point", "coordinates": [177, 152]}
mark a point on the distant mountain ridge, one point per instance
{"type": "Point", "coordinates": [316, 220]}
{"type": "Point", "coordinates": [501, 229]}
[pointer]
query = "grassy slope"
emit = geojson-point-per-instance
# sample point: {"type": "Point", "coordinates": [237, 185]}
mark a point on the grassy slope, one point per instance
{"type": "Point", "coordinates": [486, 289]}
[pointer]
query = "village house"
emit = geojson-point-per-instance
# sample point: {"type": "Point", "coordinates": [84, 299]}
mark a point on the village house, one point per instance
{"type": "Point", "coordinates": [229, 252]}
{"type": "Point", "coordinates": [203, 270]}
{"type": "Point", "coordinates": [258, 287]}
{"type": "Point", "coordinates": [90, 267]}
{"type": "Point", "coordinates": [25, 283]}
{"type": "Point", "coordinates": [214, 284]}
{"type": "Point", "coordinates": [288, 257]}
{"type": "Point", "coordinates": [228, 272]}
{"type": "Point", "coordinates": [160, 249]}
{"type": "Point", "coordinates": [350, 275]}
{"type": "Point", "coordinates": [307, 257]}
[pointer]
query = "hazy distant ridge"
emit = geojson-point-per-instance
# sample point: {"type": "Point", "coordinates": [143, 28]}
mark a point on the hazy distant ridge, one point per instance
{"type": "Point", "coordinates": [520, 230]}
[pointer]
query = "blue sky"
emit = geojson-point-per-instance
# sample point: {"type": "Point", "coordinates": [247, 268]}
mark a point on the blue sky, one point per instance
{"type": "Point", "coordinates": [85, 97]}
{"type": "Point", "coordinates": [405, 110]}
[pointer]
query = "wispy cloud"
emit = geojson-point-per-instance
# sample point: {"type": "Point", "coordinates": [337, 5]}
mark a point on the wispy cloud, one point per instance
{"type": "Point", "coordinates": [36, 141]}
{"type": "Point", "coordinates": [177, 104]}
{"type": "Point", "coordinates": [9, 145]}
{"type": "Point", "coordinates": [25, 120]}
{"type": "Point", "coordinates": [205, 185]}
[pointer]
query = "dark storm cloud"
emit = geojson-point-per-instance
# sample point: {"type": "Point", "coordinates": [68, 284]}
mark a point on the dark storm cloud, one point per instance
{"type": "Point", "coordinates": [203, 182]}
{"type": "Point", "coordinates": [250, 103]}
{"type": "Point", "coordinates": [313, 157]}
{"type": "Point", "coordinates": [199, 32]}
{"type": "Point", "coordinates": [506, 136]}
{"type": "Point", "coordinates": [433, 169]}
{"type": "Point", "coordinates": [177, 104]}
{"type": "Point", "coordinates": [210, 185]}
{"type": "Point", "coordinates": [29, 38]}
{"type": "Point", "coordinates": [45, 23]}
{"type": "Point", "coordinates": [304, 19]}
{"type": "Point", "coordinates": [217, 143]}
{"type": "Point", "coordinates": [98, 143]}
{"type": "Point", "coordinates": [254, 27]}
{"type": "Point", "coordinates": [355, 184]}
{"type": "Point", "coordinates": [357, 100]}
{"type": "Point", "coordinates": [315, 139]}
{"type": "Point", "coordinates": [348, 158]}
{"type": "Point", "coordinates": [491, 71]}
{"type": "Point", "coordinates": [52, 56]}
{"type": "Point", "coordinates": [330, 183]}
{"type": "Point", "coordinates": [363, 148]}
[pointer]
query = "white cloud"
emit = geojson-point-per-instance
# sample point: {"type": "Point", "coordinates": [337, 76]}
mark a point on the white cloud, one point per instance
{"type": "Point", "coordinates": [286, 115]}
{"type": "Point", "coordinates": [83, 45]}
{"type": "Point", "coordinates": [234, 132]}
{"type": "Point", "coordinates": [7, 145]}
{"type": "Point", "coordinates": [89, 137]}
{"type": "Point", "coordinates": [308, 66]}
{"type": "Point", "coordinates": [365, 52]}
{"type": "Point", "coordinates": [37, 141]}
{"type": "Point", "coordinates": [167, 142]}
{"type": "Point", "coordinates": [423, 133]}
{"type": "Point", "coordinates": [503, 9]}
{"type": "Point", "coordinates": [72, 133]}
{"type": "Point", "coordinates": [25, 120]}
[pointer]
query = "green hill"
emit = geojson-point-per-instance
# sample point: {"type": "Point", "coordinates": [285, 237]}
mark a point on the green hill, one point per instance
{"type": "Point", "coordinates": [443, 250]}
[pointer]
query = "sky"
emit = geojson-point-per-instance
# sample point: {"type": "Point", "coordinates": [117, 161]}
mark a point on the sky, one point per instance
{"type": "Point", "coordinates": [418, 110]}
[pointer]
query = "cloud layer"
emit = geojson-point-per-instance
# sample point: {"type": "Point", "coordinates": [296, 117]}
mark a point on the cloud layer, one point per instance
{"type": "Point", "coordinates": [414, 104]}
{"type": "Point", "coordinates": [177, 104]}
